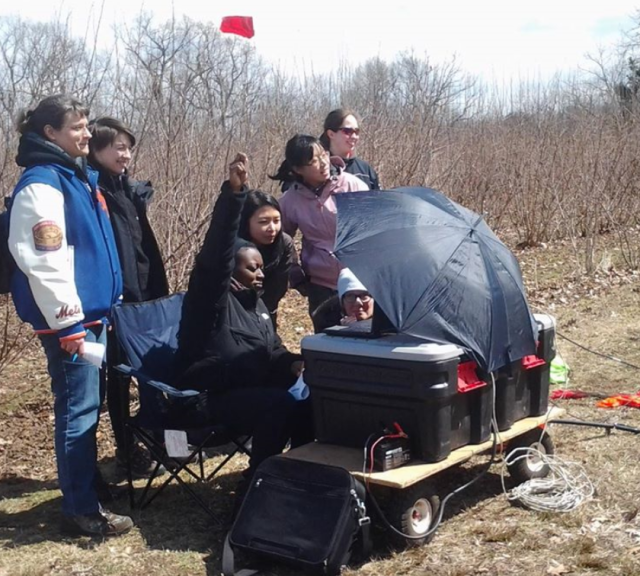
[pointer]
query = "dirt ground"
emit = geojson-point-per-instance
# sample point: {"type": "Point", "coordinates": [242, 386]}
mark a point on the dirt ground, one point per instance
{"type": "Point", "coordinates": [481, 532]}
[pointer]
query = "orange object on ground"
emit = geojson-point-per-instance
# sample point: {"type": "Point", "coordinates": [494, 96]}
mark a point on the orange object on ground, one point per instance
{"type": "Point", "coordinates": [620, 400]}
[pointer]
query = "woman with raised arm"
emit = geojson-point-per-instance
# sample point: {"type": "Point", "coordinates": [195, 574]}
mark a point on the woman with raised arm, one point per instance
{"type": "Point", "coordinates": [228, 347]}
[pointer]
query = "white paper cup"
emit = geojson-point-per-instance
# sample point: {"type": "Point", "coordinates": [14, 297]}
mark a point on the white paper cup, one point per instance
{"type": "Point", "coordinates": [94, 353]}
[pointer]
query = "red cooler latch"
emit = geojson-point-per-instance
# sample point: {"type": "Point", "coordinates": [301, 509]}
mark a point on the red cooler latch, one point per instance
{"type": "Point", "coordinates": [529, 362]}
{"type": "Point", "coordinates": [468, 378]}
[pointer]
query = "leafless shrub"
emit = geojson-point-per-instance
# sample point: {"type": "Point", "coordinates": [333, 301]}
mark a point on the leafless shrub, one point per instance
{"type": "Point", "coordinates": [543, 161]}
{"type": "Point", "coordinates": [14, 336]}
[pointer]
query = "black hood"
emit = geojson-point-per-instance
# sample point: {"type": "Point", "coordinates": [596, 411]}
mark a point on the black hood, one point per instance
{"type": "Point", "coordinates": [34, 149]}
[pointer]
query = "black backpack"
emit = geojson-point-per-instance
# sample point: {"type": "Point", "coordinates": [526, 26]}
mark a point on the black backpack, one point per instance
{"type": "Point", "coordinates": [7, 264]}
{"type": "Point", "coordinates": [301, 513]}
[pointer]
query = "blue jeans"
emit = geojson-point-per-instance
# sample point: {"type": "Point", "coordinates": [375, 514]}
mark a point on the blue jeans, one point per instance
{"type": "Point", "coordinates": [78, 390]}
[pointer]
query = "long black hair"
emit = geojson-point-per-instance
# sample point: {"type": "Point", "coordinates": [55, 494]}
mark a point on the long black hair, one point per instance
{"type": "Point", "coordinates": [255, 200]}
{"type": "Point", "coordinates": [298, 152]}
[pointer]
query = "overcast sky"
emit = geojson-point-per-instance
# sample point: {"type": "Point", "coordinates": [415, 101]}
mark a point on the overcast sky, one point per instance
{"type": "Point", "coordinates": [496, 39]}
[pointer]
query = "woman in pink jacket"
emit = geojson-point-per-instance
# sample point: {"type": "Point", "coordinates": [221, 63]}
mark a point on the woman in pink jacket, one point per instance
{"type": "Point", "coordinates": [308, 205]}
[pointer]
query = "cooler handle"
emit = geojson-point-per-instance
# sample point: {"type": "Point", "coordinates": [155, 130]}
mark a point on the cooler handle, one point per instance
{"type": "Point", "coordinates": [468, 378]}
{"type": "Point", "coordinates": [529, 362]}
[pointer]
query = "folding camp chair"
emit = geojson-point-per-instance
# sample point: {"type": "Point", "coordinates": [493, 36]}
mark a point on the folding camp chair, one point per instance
{"type": "Point", "coordinates": [147, 333]}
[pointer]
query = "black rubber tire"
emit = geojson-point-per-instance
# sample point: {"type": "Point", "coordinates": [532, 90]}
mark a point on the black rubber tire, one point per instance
{"type": "Point", "coordinates": [413, 511]}
{"type": "Point", "coordinates": [524, 469]}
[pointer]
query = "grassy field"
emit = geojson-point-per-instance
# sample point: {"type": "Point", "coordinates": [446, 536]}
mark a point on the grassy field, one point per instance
{"type": "Point", "coordinates": [482, 533]}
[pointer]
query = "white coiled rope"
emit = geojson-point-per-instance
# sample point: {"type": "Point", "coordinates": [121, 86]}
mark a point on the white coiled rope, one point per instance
{"type": "Point", "coordinates": [566, 487]}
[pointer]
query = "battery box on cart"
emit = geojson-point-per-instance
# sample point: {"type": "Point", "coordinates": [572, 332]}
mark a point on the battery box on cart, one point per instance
{"type": "Point", "coordinates": [389, 453]}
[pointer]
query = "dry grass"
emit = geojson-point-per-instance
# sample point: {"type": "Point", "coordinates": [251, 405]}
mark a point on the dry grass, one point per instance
{"type": "Point", "coordinates": [481, 532]}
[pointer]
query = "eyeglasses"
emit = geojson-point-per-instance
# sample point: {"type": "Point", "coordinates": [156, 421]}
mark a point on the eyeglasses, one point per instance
{"type": "Point", "coordinates": [351, 298]}
{"type": "Point", "coordinates": [349, 131]}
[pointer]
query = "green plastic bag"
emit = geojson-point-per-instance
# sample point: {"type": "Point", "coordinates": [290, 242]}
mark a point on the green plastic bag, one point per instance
{"type": "Point", "coordinates": [559, 371]}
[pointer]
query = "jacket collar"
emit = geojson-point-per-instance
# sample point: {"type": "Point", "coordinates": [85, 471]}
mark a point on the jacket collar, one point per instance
{"type": "Point", "coordinates": [34, 150]}
{"type": "Point", "coordinates": [337, 167]}
{"type": "Point", "coordinates": [248, 298]}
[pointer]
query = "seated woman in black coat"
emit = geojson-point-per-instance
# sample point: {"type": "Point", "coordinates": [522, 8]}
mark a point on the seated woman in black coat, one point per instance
{"type": "Point", "coordinates": [227, 343]}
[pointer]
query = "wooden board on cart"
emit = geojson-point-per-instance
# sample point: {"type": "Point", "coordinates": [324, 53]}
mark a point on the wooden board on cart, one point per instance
{"type": "Point", "coordinates": [351, 459]}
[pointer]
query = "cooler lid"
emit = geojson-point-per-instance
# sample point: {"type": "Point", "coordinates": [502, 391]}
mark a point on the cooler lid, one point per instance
{"type": "Point", "coordinates": [545, 321]}
{"type": "Point", "coordinates": [393, 347]}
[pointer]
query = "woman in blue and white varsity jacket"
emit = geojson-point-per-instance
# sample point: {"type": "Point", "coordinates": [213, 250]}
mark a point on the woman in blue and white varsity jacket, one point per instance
{"type": "Point", "coordinates": [67, 280]}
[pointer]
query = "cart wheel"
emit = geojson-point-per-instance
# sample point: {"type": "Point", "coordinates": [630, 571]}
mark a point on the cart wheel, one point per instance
{"type": "Point", "coordinates": [413, 511]}
{"type": "Point", "coordinates": [530, 465]}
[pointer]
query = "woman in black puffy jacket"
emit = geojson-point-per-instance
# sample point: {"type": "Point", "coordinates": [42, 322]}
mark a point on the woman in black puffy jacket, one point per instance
{"type": "Point", "coordinates": [228, 347]}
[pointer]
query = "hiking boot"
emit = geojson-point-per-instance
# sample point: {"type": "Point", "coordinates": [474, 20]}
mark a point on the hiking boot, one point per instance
{"type": "Point", "coordinates": [142, 464]}
{"type": "Point", "coordinates": [102, 523]}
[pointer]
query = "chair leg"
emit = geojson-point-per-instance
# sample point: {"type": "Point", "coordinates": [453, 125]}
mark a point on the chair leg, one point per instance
{"type": "Point", "coordinates": [129, 437]}
{"type": "Point", "coordinates": [157, 452]}
{"type": "Point", "coordinates": [240, 447]}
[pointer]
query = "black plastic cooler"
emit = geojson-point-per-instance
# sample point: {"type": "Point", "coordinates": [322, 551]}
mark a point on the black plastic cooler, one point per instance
{"type": "Point", "coordinates": [522, 387]}
{"type": "Point", "coordinates": [360, 387]}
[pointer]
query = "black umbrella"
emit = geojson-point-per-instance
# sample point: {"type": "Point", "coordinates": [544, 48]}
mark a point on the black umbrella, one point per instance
{"type": "Point", "coordinates": [437, 271]}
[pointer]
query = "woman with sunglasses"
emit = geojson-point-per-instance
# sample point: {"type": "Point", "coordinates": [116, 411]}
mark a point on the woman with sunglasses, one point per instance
{"type": "Point", "coordinates": [308, 205]}
{"type": "Point", "coordinates": [340, 136]}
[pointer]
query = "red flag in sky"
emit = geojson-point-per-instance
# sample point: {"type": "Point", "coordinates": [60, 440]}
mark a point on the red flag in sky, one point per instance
{"type": "Point", "coordinates": [240, 25]}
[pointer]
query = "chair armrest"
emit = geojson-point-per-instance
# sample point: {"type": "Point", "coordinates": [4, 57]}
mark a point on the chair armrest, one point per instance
{"type": "Point", "coordinates": [162, 386]}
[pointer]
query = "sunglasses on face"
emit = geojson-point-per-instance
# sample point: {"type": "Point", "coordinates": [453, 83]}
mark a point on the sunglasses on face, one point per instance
{"type": "Point", "coordinates": [350, 131]}
{"type": "Point", "coordinates": [351, 298]}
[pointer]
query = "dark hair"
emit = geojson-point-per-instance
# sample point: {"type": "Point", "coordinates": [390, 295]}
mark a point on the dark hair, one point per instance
{"type": "Point", "coordinates": [50, 111]}
{"type": "Point", "coordinates": [333, 122]}
{"type": "Point", "coordinates": [104, 131]}
{"type": "Point", "coordinates": [242, 244]}
{"type": "Point", "coordinates": [255, 200]}
{"type": "Point", "coordinates": [298, 152]}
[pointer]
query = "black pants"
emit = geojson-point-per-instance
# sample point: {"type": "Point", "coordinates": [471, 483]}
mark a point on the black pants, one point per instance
{"type": "Point", "coordinates": [117, 391]}
{"type": "Point", "coordinates": [270, 415]}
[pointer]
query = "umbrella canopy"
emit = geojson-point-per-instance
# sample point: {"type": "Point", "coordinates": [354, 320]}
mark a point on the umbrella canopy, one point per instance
{"type": "Point", "coordinates": [437, 271]}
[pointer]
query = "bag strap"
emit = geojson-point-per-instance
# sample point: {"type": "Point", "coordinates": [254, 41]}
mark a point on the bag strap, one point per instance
{"type": "Point", "coordinates": [364, 520]}
{"type": "Point", "coordinates": [361, 534]}
{"type": "Point", "coordinates": [228, 562]}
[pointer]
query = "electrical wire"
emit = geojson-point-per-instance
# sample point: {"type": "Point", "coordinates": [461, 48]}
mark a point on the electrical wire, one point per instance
{"type": "Point", "coordinates": [601, 354]}
{"type": "Point", "coordinates": [564, 488]}
{"type": "Point", "coordinates": [438, 519]}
